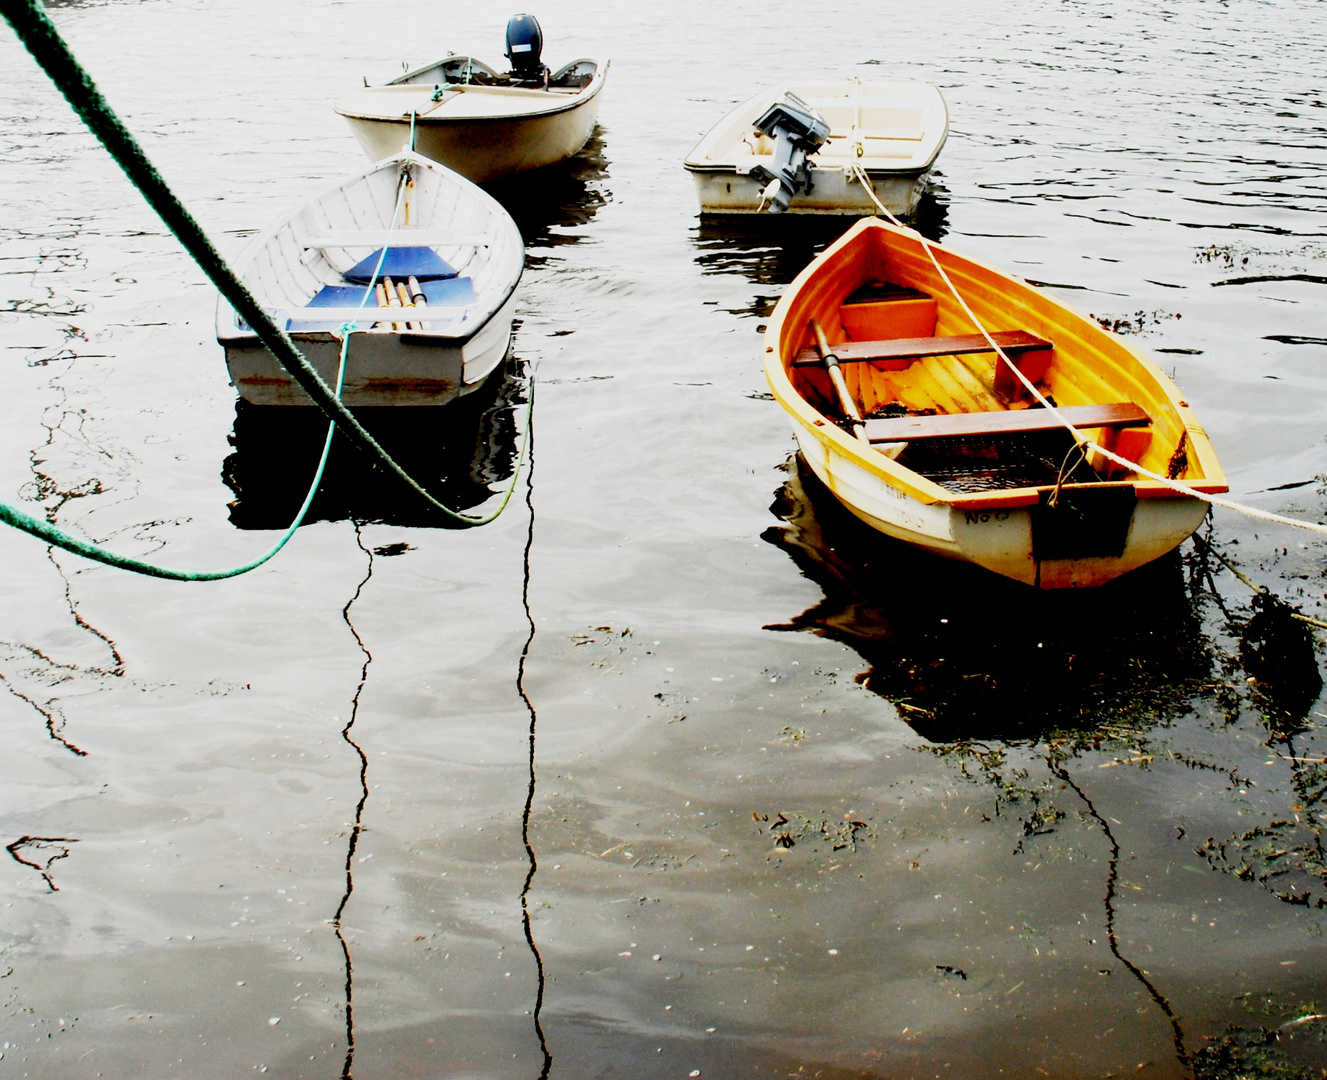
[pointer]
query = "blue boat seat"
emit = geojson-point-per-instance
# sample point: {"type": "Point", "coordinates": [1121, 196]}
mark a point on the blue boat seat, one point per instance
{"type": "Point", "coordinates": [450, 292]}
{"type": "Point", "coordinates": [421, 263]}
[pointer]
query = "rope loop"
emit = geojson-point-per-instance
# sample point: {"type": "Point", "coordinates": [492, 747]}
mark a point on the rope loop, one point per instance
{"type": "Point", "coordinates": [1066, 470]}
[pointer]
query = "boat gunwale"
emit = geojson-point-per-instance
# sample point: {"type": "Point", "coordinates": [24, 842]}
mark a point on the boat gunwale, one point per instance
{"type": "Point", "coordinates": [810, 420]}
{"type": "Point", "coordinates": [696, 164]}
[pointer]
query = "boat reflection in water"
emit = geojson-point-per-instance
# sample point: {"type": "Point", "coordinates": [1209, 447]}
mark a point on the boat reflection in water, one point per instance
{"type": "Point", "coordinates": [964, 654]}
{"type": "Point", "coordinates": [455, 451]}
{"type": "Point", "coordinates": [772, 250]}
{"type": "Point", "coordinates": [566, 195]}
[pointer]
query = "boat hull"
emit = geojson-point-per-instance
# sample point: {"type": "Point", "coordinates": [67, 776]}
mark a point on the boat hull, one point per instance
{"type": "Point", "coordinates": [483, 132]}
{"type": "Point", "coordinates": [484, 150]}
{"type": "Point", "coordinates": [833, 191]}
{"type": "Point", "coordinates": [381, 369]}
{"type": "Point", "coordinates": [1055, 532]}
{"type": "Point", "coordinates": [1001, 540]}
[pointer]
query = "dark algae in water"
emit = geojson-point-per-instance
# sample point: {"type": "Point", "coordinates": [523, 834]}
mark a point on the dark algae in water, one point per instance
{"type": "Point", "coordinates": [1031, 698]}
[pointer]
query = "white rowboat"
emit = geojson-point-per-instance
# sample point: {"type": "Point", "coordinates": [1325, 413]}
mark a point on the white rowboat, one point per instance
{"type": "Point", "coordinates": [455, 253]}
{"type": "Point", "coordinates": [891, 131]}
{"type": "Point", "coordinates": [476, 121]}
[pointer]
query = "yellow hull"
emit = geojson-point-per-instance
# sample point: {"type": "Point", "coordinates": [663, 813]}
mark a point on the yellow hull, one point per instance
{"type": "Point", "coordinates": [1095, 531]}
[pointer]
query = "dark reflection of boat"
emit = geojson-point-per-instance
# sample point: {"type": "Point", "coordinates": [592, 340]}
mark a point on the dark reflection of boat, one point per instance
{"type": "Point", "coordinates": [456, 451]}
{"type": "Point", "coordinates": [562, 196]}
{"type": "Point", "coordinates": [966, 655]}
{"type": "Point", "coordinates": [772, 250]}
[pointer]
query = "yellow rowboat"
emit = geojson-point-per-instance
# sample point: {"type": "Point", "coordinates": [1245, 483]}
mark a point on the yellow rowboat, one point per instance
{"type": "Point", "coordinates": [952, 453]}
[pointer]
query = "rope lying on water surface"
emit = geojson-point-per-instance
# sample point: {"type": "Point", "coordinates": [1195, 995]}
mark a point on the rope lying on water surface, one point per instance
{"type": "Point", "coordinates": [1175, 485]}
{"type": "Point", "coordinates": [33, 27]}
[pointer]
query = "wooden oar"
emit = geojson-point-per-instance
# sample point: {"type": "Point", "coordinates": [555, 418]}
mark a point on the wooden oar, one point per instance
{"type": "Point", "coordinates": [380, 292]}
{"type": "Point", "coordinates": [831, 363]}
{"type": "Point", "coordinates": [392, 300]}
{"type": "Point", "coordinates": [404, 295]}
{"type": "Point", "coordinates": [418, 298]}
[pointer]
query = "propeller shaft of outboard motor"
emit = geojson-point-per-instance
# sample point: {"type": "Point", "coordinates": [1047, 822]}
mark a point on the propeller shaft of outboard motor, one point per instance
{"type": "Point", "coordinates": [798, 131]}
{"type": "Point", "coordinates": [525, 42]}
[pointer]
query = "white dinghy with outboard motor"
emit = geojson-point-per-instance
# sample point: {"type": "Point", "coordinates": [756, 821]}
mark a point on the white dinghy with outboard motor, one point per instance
{"type": "Point", "coordinates": [814, 147]}
{"type": "Point", "coordinates": [415, 264]}
{"type": "Point", "coordinates": [482, 123]}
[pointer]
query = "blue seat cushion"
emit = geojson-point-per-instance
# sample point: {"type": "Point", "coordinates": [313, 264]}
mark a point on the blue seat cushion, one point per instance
{"type": "Point", "coordinates": [422, 263]}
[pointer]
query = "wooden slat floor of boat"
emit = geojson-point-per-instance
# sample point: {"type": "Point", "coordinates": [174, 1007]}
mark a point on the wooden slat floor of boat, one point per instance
{"type": "Point", "coordinates": [854, 352]}
{"type": "Point", "coordinates": [1002, 422]}
{"type": "Point", "coordinates": [980, 464]}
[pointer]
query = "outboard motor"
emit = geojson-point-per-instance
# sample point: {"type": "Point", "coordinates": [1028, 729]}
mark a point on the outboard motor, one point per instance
{"type": "Point", "coordinates": [525, 41]}
{"type": "Point", "coordinates": [798, 131]}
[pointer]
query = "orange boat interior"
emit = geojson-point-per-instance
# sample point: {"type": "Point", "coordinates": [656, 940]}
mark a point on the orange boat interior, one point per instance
{"type": "Point", "coordinates": [907, 356]}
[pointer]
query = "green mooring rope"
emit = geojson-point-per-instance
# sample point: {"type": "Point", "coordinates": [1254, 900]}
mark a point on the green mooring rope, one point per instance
{"type": "Point", "coordinates": [12, 516]}
{"type": "Point", "coordinates": [39, 35]}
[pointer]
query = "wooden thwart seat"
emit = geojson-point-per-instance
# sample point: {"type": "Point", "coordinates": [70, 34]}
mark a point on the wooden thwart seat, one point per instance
{"type": "Point", "coordinates": [854, 352]}
{"type": "Point", "coordinates": [374, 238]}
{"type": "Point", "coordinates": [1005, 422]}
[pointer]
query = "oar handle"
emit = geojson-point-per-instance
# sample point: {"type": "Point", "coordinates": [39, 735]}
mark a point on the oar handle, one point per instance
{"type": "Point", "coordinates": [840, 383]}
{"type": "Point", "coordinates": [822, 346]}
{"type": "Point", "coordinates": [417, 298]}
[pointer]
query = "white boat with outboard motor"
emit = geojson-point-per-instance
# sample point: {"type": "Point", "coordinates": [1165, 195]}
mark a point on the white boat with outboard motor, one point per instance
{"type": "Point", "coordinates": [812, 147]}
{"type": "Point", "coordinates": [483, 123]}
{"type": "Point", "coordinates": [421, 263]}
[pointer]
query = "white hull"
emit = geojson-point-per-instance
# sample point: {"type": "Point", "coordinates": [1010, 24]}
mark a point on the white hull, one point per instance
{"type": "Point", "coordinates": [832, 192]}
{"type": "Point", "coordinates": [892, 131]}
{"type": "Point", "coordinates": [482, 132]}
{"type": "Point", "coordinates": [381, 369]}
{"type": "Point", "coordinates": [448, 353]}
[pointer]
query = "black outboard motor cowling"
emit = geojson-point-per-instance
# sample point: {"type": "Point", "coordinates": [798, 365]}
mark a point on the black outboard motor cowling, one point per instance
{"type": "Point", "coordinates": [798, 131]}
{"type": "Point", "coordinates": [525, 41]}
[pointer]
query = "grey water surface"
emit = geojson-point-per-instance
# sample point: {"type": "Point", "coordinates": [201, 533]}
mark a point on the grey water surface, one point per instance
{"type": "Point", "coordinates": [674, 770]}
